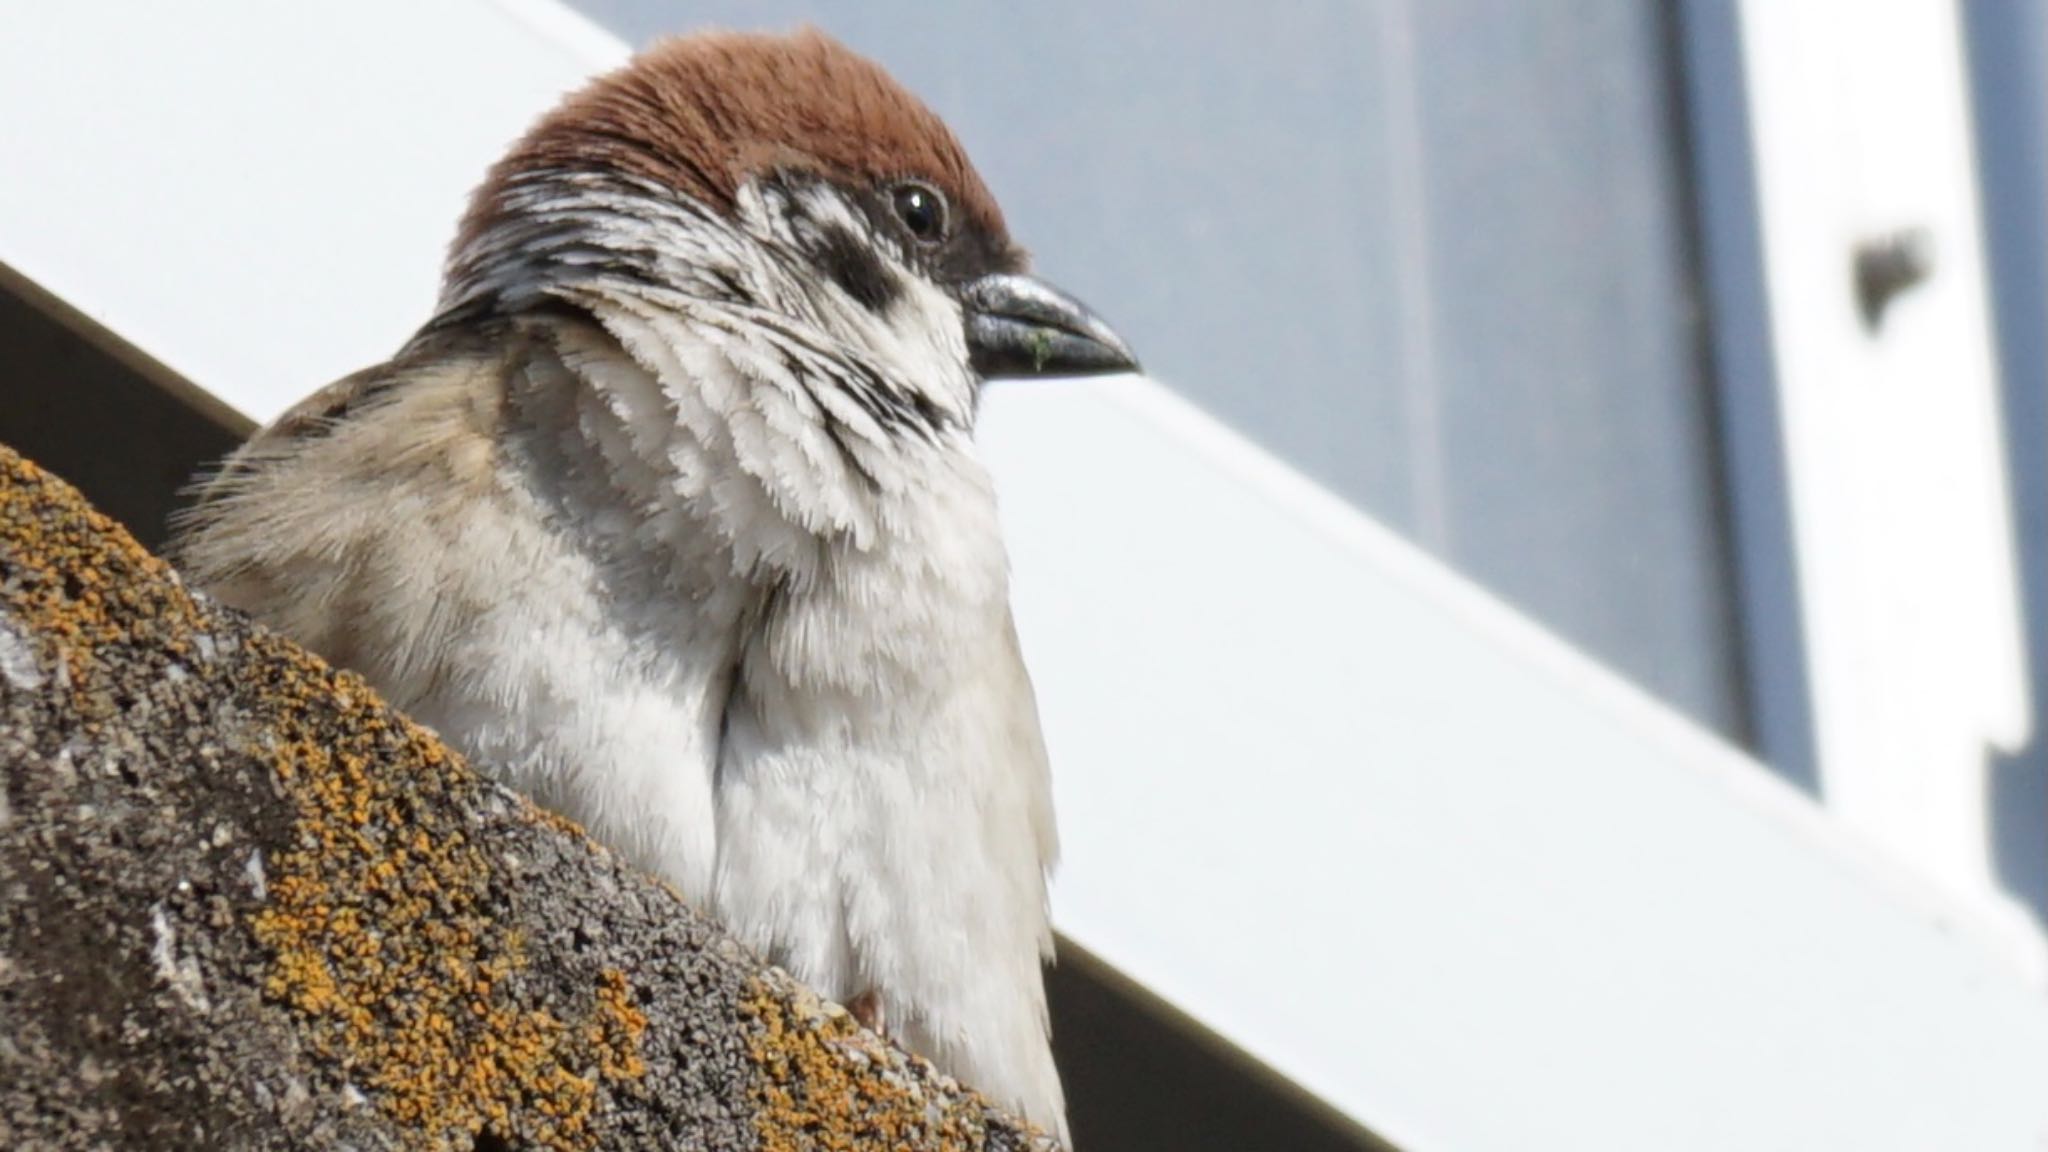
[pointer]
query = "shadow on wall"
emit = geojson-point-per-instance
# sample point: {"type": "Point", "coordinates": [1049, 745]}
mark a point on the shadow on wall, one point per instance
{"type": "Point", "coordinates": [2008, 50]}
{"type": "Point", "coordinates": [87, 406]}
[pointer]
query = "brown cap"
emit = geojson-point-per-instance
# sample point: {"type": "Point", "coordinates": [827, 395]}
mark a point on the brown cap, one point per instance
{"type": "Point", "coordinates": [702, 113]}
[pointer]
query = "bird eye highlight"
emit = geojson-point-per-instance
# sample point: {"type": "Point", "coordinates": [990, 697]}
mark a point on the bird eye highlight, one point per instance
{"type": "Point", "coordinates": [922, 210]}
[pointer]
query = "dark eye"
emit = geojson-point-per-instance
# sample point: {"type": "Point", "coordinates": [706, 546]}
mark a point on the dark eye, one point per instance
{"type": "Point", "coordinates": [922, 210]}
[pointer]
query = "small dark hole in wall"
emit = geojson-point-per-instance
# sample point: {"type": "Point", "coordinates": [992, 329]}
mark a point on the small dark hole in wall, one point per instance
{"type": "Point", "coordinates": [492, 1142]}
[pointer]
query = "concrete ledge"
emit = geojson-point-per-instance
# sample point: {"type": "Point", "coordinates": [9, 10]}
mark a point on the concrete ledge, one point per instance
{"type": "Point", "coordinates": [249, 905]}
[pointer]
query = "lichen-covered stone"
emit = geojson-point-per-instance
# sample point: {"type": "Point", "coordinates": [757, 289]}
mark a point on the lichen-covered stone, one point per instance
{"type": "Point", "coordinates": [247, 905]}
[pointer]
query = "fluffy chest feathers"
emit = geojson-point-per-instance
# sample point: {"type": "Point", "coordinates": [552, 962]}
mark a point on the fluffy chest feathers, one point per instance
{"type": "Point", "coordinates": [882, 809]}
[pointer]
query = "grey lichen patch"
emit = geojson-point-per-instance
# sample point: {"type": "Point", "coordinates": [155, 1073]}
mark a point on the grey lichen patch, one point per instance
{"type": "Point", "coordinates": [258, 880]}
{"type": "Point", "coordinates": [20, 670]}
{"type": "Point", "coordinates": [251, 906]}
{"type": "Point", "coordinates": [180, 973]}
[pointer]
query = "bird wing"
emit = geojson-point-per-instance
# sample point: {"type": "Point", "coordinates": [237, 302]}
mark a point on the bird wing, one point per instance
{"type": "Point", "coordinates": [290, 528]}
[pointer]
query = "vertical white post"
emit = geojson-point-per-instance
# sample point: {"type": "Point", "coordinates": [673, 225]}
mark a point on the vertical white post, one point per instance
{"type": "Point", "coordinates": [1896, 469]}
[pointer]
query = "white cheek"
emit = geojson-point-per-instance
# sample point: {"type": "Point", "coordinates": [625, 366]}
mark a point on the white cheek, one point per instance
{"type": "Point", "coordinates": [927, 335]}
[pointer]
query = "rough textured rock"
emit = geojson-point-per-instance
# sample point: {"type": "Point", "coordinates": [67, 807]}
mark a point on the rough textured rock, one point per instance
{"type": "Point", "coordinates": [247, 905]}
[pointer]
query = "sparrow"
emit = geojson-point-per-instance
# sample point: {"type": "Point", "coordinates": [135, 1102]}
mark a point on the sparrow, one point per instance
{"type": "Point", "coordinates": [671, 516]}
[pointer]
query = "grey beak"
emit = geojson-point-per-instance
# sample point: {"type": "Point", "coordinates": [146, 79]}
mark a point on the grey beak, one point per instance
{"type": "Point", "coordinates": [1022, 326]}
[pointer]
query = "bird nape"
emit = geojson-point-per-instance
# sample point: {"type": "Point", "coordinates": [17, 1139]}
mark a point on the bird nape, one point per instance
{"type": "Point", "coordinates": [671, 516]}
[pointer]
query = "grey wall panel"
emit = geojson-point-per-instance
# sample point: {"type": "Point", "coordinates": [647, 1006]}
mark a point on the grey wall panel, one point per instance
{"type": "Point", "coordinates": [1577, 444]}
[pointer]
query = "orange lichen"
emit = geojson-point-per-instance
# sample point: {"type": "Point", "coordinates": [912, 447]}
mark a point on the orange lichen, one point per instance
{"type": "Point", "coordinates": [76, 574]}
{"type": "Point", "coordinates": [380, 925]}
{"type": "Point", "coordinates": [823, 1085]}
{"type": "Point", "coordinates": [616, 1027]}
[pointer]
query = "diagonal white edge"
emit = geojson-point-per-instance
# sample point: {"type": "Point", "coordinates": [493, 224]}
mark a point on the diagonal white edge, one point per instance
{"type": "Point", "coordinates": [1399, 843]}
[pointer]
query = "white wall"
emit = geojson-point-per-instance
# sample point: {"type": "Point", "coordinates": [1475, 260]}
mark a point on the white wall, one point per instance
{"type": "Point", "coordinates": [1316, 790]}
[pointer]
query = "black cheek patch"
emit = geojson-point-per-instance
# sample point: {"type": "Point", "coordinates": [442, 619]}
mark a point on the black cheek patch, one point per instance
{"type": "Point", "coordinates": [855, 267]}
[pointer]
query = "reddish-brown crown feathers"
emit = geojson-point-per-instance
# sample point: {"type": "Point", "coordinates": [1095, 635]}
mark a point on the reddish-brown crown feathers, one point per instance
{"type": "Point", "coordinates": [701, 113]}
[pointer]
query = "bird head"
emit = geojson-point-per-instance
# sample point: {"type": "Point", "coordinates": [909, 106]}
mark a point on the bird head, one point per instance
{"type": "Point", "coordinates": [788, 180]}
